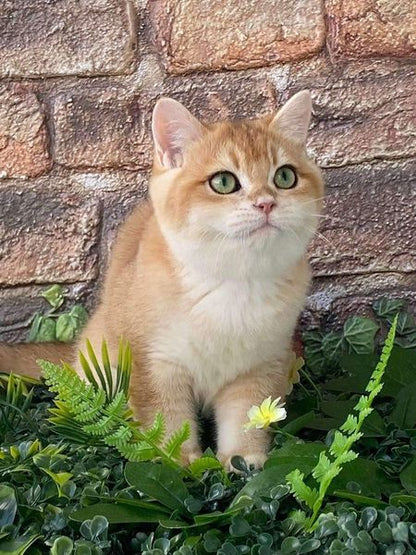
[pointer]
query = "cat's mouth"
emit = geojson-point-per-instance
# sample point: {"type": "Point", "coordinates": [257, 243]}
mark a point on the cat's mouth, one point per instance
{"type": "Point", "coordinates": [265, 227]}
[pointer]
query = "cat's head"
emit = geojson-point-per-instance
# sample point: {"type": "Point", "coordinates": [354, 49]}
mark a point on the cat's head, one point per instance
{"type": "Point", "coordinates": [244, 186]}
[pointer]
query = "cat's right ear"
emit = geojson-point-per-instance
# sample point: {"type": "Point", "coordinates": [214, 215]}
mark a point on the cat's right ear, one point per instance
{"type": "Point", "coordinates": [173, 128]}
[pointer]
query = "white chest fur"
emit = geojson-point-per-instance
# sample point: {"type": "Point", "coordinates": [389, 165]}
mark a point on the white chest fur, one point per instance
{"type": "Point", "coordinates": [222, 329]}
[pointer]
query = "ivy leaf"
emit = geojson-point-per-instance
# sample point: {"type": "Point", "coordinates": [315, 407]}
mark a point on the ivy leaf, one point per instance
{"type": "Point", "coordinates": [332, 345]}
{"type": "Point", "coordinates": [43, 330]}
{"type": "Point", "coordinates": [70, 324]}
{"type": "Point", "coordinates": [54, 295]}
{"type": "Point", "coordinates": [65, 328]}
{"type": "Point", "coordinates": [385, 308]}
{"type": "Point", "coordinates": [360, 332]}
{"type": "Point", "coordinates": [404, 412]}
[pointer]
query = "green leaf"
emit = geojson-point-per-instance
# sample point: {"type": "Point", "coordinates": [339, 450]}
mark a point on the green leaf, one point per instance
{"type": "Point", "coordinates": [297, 424]}
{"type": "Point", "coordinates": [302, 456]}
{"type": "Point", "coordinates": [398, 499]}
{"type": "Point", "coordinates": [62, 546]}
{"type": "Point", "coordinates": [372, 480]}
{"type": "Point", "coordinates": [34, 328]}
{"type": "Point", "coordinates": [79, 315]}
{"type": "Point", "coordinates": [301, 491]}
{"type": "Point", "coordinates": [17, 546]}
{"type": "Point", "coordinates": [332, 345]}
{"type": "Point", "coordinates": [297, 455]}
{"type": "Point", "coordinates": [54, 295]}
{"type": "Point", "coordinates": [408, 477]}
{"type": "Point", "coordinates": [404, 412]}
{"type": "Point", "coordinates": [8, 505]}
{"type": "Point", "coordinates": [159, 482]}
{"type": "Point", "coordinates": [119, 513]}
{"type": "Point", "coordinates": [45, 330]}
{"type": "Point", "coordinates": [386, 308]}
{"type": "Point", "coordinates": [65, 328]}
{"type": "Point", "coordinates": [201, 465]}
{"type": "Point", "coordinates": [360, 499]}
{"type": "Point", "coordinates": [174, 443]}
{"type": "Point", "coordinates": [360, 332]}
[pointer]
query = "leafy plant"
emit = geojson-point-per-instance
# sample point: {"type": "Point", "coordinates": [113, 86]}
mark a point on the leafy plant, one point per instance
{"type": "Point", "coordinates": [76, 496]}
{"type": "Point", "coordinates": [339, 453]}
{"type": "Point", "coordinates": [98, 409]}
{"type": "Point", "coordinates": [54, 325]}
{"type": "Point", "coordinates": [15, 398]}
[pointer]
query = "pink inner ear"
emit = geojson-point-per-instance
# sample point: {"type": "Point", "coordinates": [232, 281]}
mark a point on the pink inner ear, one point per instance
{"type": "Point", "coordinates": [294, 117]}
{"type": "Point", "coordinates": [174, 127]}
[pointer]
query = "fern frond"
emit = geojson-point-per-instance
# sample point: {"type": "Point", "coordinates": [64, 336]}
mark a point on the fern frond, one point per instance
{"type": "Point", "coordinates": [96, 411]}
{"type": "Point", "coordinates": [176, 440]}
{"type": "Point", "coordinates": [339, 452]}
{"type": "Point", "coordinates": [120, 437]}
{"type": "Point", "coordinates": [138, 452]}
{"type": "Point", "coordinates": [157, 432]}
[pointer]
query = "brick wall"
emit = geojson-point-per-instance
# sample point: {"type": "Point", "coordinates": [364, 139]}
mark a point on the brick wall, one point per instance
{"type": "Point", "coordinates": [79, 78]}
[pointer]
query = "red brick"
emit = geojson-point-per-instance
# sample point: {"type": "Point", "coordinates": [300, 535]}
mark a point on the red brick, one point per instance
{"type": "Point", "coordinates": [215, 96]}
{"type": "Point", "coordinates": [49, 234]}
{"type": "Point", "coordinates": [102, 127]}
{"type": "Point", "coordinates": [23, 134]}
{"type": "Point", "coordinates": [363, 28]}
{"type": "Point", "coordinates": [333, 300]}
{"type": "Point", "coordinates": [66, 37]}
{"type": "Point", "coordinates": [363, 111]}
{"type": "Point", "coordinates": [371, 221]}
{"type": "Point", "coordinates": [218, 34]}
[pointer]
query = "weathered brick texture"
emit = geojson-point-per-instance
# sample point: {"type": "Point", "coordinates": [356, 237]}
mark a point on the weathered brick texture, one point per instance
{"type": "Point", "coordinates": [79, 79]}
{"type": "Point", "coordinates": [100, 128]}
{"type": "Point", "coordinates": [23, 133]}
{"type": "Point", "coordinates": [48, 234]}
{"type": "Point", "coordinates": [364, 28]}
{"type": "Point", "coordinates": [225, 34]}
{"type": "Point", "coordinates": [66, 37]}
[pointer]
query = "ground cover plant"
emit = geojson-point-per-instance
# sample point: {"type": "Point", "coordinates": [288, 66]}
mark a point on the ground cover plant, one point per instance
{"type": "Point", "coordinates": [78, 476]}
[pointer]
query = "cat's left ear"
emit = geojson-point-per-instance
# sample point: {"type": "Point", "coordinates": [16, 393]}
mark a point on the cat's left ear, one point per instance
{"type": "Point", "coordinates": [294, 117]}
{"type": "Point", "coordinates": [173, 127]}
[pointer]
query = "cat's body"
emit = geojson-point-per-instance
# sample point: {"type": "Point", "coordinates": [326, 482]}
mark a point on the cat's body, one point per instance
{"type": "Point", "coordinates": [207, 287]}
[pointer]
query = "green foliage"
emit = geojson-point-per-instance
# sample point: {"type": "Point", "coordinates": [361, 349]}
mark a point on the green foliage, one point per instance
{"type": "Point", "coordinates": [359, 335]}
{"type": "Point", "coordinates": [97, 409]}
{"type": "Point", "coordinates": [57, 326]}
{"type": "Point", "coordinates": [339, 452]}
{"type": "Point", "coordinates": [66, 492]}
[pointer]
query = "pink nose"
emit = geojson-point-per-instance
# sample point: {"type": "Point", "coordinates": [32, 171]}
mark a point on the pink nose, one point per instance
{"type": "Point", "coordinates": [265, 207]}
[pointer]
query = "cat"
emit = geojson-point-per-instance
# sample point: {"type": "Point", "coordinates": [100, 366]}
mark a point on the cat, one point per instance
{"type": "Point", "coordinates": [208, 277]}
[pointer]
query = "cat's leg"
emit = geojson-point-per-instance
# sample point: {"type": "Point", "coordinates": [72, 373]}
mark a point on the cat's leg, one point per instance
{"type": "Point", "coordinates": [231, 405]}
{"type": "Point", "coordinates": [166, 387]}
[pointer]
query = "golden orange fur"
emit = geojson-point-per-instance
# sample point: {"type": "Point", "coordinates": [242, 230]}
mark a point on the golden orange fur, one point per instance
{"type": "Point", "coordinates": [207, 287]}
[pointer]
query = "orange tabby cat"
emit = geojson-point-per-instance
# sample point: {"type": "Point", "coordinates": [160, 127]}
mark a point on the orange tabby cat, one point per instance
{"type": "Point", "coordinates": [207, 279]}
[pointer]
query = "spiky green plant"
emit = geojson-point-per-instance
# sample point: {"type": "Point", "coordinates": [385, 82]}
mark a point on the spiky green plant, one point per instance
{"type": "Point", "coordinates": [97, 410]}
{"type": "Point", "coordinates": [332, 460]}
{"type": "Point", "coordinates": [15, 398]}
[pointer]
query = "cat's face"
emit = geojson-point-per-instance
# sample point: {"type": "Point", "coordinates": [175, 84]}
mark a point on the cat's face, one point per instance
{"type": "Point", "coordinates": [246, 184]}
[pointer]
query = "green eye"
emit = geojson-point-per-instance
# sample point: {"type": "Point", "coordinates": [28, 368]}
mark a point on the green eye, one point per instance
{"type": "Point", "coordinates": [224, 183]}
{"type": "Point", "coordinates": [285, 177]}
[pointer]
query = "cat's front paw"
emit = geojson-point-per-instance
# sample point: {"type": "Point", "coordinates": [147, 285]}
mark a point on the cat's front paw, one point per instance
{"type": "Point", "coordinates": [252, 459]}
